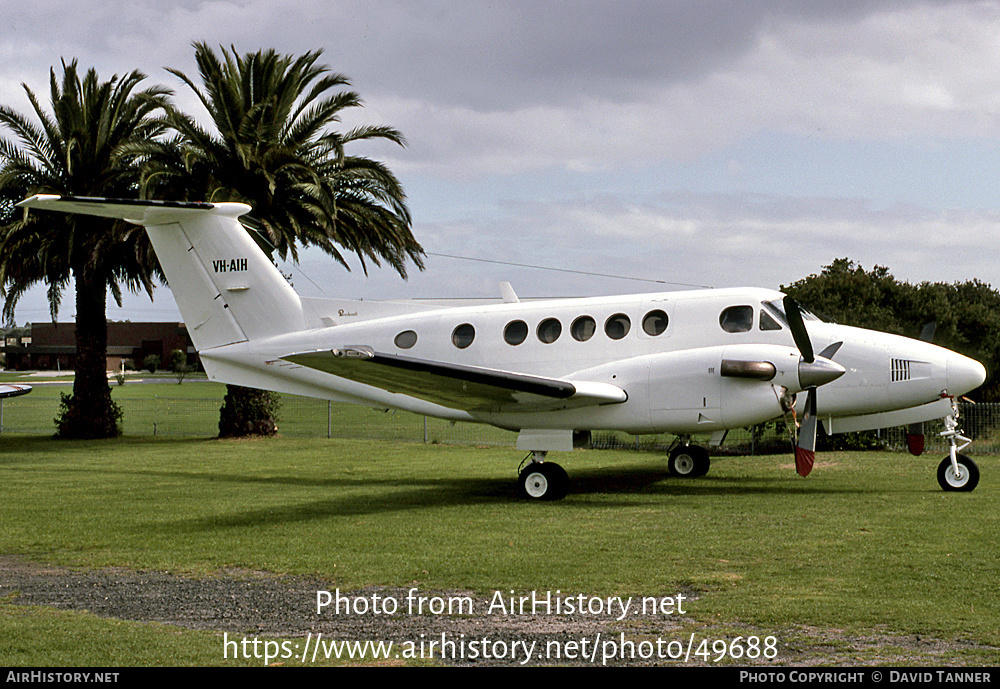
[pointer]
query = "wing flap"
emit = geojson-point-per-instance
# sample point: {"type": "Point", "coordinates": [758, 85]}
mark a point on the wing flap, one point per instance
{"type": "Point", "coordinates": [470, 388]}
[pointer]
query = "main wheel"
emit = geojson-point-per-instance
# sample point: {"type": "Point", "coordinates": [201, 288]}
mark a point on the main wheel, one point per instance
{"type": "Point", "coordinates": [688, 461]}
{"type": "Point", "coordinates": [965, 480]}
{"type": "Point", "coordinates": [543, 481]}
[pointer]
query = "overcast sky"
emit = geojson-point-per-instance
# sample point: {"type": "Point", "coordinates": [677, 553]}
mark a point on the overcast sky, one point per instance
{"type": "Point", "coordinates": [715, 143]}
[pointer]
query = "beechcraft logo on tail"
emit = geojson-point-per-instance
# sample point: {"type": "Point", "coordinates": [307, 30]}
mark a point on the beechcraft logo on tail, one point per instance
{"type": "Point", "coordinates": [233, 265]}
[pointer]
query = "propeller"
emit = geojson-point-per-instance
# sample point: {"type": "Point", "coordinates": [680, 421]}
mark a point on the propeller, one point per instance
{"type": "Point", "coordinates": [813, 372]}
{"type": "Point", "coordinates": [799, 333]}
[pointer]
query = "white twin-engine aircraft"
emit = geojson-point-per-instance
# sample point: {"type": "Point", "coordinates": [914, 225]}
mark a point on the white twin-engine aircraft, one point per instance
{"type": "Point", "coordinates": [685, 363]}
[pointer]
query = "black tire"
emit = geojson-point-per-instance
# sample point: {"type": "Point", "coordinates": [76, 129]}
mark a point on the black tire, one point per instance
{"type": "Point", "coordinates": [688, 461]}
{"type": "Point", "coordinates": [966, 482]}
{"type": "Point", "coordinates": [543, 481]}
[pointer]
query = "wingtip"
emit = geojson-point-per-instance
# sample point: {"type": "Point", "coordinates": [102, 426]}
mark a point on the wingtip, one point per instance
{"type": "Point", "coordinates": [38, 198]}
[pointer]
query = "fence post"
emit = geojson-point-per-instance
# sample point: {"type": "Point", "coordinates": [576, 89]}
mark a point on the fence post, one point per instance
{"type": "Point", "coordinates": [329, 419]}
{"type": "Point", "coordinates": [425, 429]}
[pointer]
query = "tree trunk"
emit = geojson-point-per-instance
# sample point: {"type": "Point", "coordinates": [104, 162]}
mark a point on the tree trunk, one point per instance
{"type": "Point", "coordinates": [90, 412]}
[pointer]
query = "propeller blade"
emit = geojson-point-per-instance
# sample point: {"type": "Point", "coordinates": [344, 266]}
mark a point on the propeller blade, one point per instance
{"type": "Point", "coordinates": [805, 448]}
{"type": "Point", "coordinates": [798, 327]}
{"type": "Point", "coordinates": [830, 350]}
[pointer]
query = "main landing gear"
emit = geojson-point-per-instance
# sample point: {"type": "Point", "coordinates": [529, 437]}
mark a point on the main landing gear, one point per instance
{"type": "Point", "coordinates": [541, 480]}
{"type": "Point", "coordinates": [957, 472]}
{"type": "Point", "coordinates": [688, 461]}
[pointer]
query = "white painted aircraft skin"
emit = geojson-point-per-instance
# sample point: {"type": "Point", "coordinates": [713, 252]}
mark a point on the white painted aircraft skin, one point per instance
{"type": "Point", "coordinates": [252, 329]}
{"type": "Point", "coordinates": [672, 380]}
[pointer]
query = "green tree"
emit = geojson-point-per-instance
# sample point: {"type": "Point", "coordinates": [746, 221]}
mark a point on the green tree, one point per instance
{"type": "Point", "coordinates": [76, 150]}
{"type": "Point", "coordinates": [966, 314]}
{"type": "Point", "coordinates": [275, 147]}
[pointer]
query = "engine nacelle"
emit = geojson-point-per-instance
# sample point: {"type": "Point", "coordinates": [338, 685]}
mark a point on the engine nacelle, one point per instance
{"type": "Point", "coordinates": [714, 388]}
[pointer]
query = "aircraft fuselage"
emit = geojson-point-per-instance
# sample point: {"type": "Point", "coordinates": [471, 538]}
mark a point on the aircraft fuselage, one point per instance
{"type": "Point", "coordinates": [665, 350]}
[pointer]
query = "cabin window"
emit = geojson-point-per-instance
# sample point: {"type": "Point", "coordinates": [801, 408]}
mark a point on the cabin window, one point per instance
{"type": "Point", "coordinates": [549, 330]}
{"type": "Point", "coordinates": [406, 339]}
{"type": "Point", "coordinates": [654, 323]}
{"type": "Point", "coordinates": [583, 328]}
{"type": "Point", "coordinates": [463, 335]}
{"type": "Point", "coordinates": [617, 326]}
{"type": "Point", "coordinates": [515, 333]}
{"type": "Point", "coordinates": [737, 319]}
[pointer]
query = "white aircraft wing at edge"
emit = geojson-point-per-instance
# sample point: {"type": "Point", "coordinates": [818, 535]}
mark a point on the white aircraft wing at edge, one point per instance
{"type": "Point", "coordinates": [469, 388]}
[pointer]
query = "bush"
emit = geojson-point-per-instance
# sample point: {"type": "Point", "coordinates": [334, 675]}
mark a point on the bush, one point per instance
{"type": "Point", "coordinates": [246, 411]}
{"type": "Point", "coordinates": [151, 362]}
{"type": "Point", "coordinates": [72, 422]}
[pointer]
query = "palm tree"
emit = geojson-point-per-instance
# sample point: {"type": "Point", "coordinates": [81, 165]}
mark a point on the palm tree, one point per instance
{"type": "Point", "coordinates": [75, 150]}
{"type": "Point", "coordinates": [275, 148]}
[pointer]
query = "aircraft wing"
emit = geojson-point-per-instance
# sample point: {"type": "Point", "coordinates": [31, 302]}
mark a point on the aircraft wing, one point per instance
{"type": "Point", "coordinates": [14, 389]}
{"type": "Point", "coordinates": [469, 388]}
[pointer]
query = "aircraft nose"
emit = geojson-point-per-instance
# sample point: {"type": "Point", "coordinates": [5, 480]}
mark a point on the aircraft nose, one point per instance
{"type": "Point", "coordinates": [964, 374]}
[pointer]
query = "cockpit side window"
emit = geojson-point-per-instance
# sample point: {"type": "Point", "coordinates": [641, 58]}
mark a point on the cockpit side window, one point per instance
{"type": "Point", "coordinates": [737, 319]}
{"type": "Point", "coordinates": [767, 321]}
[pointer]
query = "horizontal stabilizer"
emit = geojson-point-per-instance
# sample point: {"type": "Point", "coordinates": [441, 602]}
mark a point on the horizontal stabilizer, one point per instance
{"type": "Point", "coordinates": [135, 211]}
{"type": "Point", "coordinates": [14, 390]}
{"type": "Point", "coordinates": [470, 388]}
{"type": "Point", "coordinates": [226, 288]}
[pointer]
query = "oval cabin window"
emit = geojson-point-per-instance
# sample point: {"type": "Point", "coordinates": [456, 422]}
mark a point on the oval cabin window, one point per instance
{"type": "Point", "coordinates": [654, 323]}
{"type": "Point", "coordinates": [515, 333]}
{"type": "Point", "coordinates": [583, 328]}
{"type": "Point", "coordinates": [406, 339]}
{"type": "Point", "coordinates": [463, 335]}
{"type": "Point", "coordinates": [549, 330]}
{"type": "Point", "coordinates": [617, 326]}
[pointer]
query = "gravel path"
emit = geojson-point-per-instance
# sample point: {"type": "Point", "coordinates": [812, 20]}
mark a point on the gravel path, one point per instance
{"type": "Point", "coordinates": [254, 603]}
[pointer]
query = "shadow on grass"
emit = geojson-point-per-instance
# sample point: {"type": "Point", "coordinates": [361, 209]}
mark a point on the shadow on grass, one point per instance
{"type": "Point", "coordinates": [366, 492]}
{"type": "Point", "coordinates": [14, 447]}
{"type": "Point", "coordinates": [589, 489]}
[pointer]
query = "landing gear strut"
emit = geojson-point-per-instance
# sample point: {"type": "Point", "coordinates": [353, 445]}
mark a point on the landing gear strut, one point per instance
{"type": "Point", "coordinates": [541, 480]}
{"type": "Point", "coordinates": [688, 461]}
{"type": "Point", "coordinates": [957, 472]}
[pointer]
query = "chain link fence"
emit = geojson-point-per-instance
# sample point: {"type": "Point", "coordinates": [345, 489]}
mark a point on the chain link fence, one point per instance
{"type": "Point", "coordinates": [305, 417]}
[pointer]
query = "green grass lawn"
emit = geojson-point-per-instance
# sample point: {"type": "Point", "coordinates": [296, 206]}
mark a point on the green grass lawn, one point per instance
{"type": "Point", "coordinates": [192, 409]}
{"type": "Point", "coordinates": [868, 544]}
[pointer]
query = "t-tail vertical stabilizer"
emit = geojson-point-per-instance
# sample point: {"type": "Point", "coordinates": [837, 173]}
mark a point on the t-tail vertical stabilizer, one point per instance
{"type": "Point", "coordinates": [227, 289]}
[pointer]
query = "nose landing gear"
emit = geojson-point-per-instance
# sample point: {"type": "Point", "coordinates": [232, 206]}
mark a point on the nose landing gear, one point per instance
{"type": "Point", "coordinates": [957, 472]}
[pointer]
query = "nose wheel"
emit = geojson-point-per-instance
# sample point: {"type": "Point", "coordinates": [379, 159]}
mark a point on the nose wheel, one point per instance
{"type": "Point", "coordinates": [960, 475]}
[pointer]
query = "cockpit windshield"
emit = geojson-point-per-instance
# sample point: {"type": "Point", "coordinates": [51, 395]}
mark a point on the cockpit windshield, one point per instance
{"type": "Point", "coordinates": [777, 308]}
